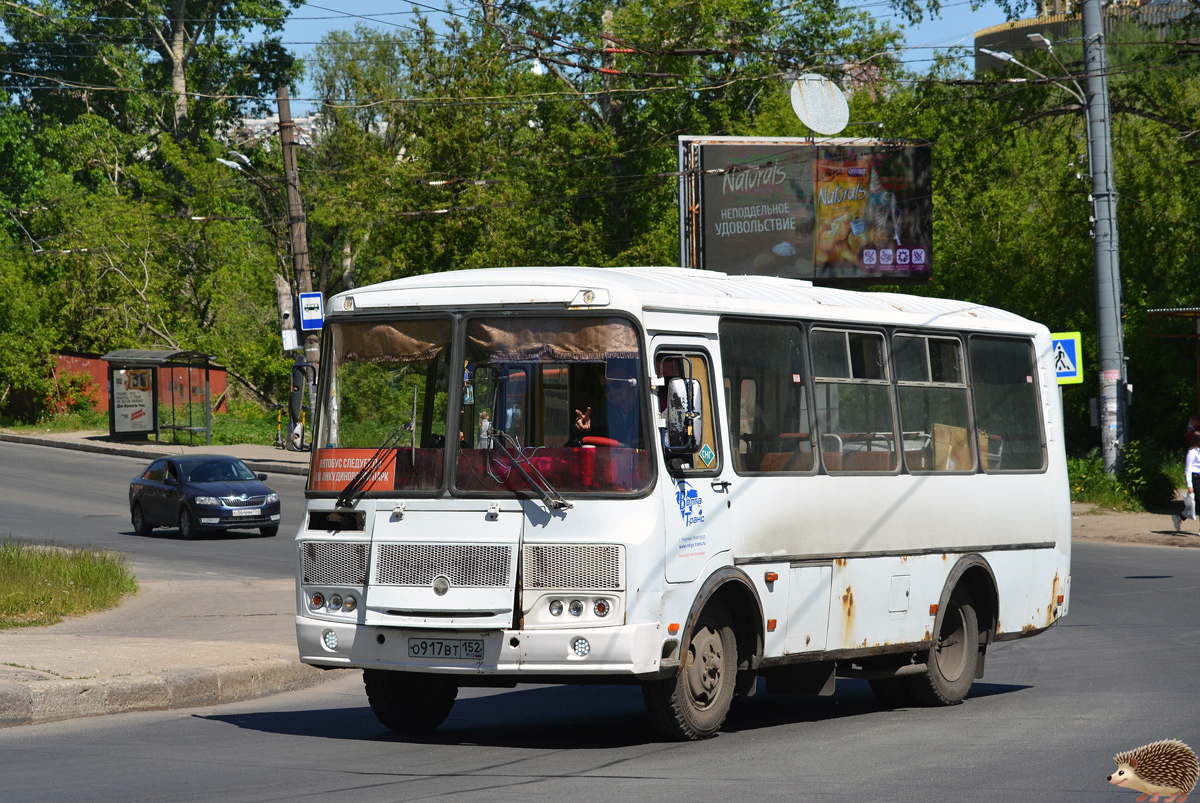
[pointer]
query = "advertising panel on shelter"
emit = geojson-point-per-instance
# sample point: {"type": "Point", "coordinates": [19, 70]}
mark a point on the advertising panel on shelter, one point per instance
{"type": "Point", "coordinates": [836, 211]}
{"type": "Point", "coordinates": [132, 394]}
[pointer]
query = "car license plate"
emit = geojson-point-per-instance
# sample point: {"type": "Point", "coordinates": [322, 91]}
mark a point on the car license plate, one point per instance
{"type": "Point", "coordinates": [247, 511]}
{"type": "Point", "coordinates": [464, 649]}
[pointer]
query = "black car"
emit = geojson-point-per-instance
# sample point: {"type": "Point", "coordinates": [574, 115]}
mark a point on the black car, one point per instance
{"type": "Point", "coordinates": [202, 492]}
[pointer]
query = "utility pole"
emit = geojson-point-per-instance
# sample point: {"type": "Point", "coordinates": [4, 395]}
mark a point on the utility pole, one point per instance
{"type": "Point", "coordinates": [297, 234]}
{"type": "Point", "coordinates": [1109, 327]}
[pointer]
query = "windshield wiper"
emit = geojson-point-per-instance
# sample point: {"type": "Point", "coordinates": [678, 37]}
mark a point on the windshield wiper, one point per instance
{"type": "Point", "coordinates": [355, 487]}
{"type": "Point", "coordinates": [511, 448]}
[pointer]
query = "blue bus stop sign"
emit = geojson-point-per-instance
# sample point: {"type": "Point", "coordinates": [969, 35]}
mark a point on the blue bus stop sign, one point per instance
{"type": "Point", "coordinates": [1067, 356]}
{"type": "Point", "coordinates": [312, 311]}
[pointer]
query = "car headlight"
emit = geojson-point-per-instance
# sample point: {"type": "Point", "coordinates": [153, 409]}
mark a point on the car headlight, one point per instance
{"type": "Point", "coordinates": [272, 498]}
{"type": "Point", "coordinates": [207, 500]}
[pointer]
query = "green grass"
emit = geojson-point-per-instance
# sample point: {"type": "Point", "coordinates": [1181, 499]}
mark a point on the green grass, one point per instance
{"type": "Point", "coordinates": [41, 585]}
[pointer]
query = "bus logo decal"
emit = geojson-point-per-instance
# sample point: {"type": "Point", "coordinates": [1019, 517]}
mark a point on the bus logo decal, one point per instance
{"type": "Point", "coordinates": [691, 506]}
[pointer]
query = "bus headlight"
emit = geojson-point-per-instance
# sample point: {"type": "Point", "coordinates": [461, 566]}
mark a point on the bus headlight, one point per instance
{"type": "Point", "coordinates": [556, 607]}
{"type": "Point", "coordinates": [576, 608]}
{"type": "Point", "coordinates": [350, 604]}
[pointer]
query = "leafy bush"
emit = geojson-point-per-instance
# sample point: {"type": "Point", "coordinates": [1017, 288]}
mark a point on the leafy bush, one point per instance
{"type": "Point", "coordinates": [1145, 475]}
{"type": "Point", "coordinates": [1145, 481]}
{"type": "Point", "coordinates": [1090, 484]}
{"type": "Point", "coordinates": [71, 393]}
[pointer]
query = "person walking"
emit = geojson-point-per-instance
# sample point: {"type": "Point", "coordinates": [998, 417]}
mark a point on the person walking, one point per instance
{"type": "Point", "coordinates": [1191, 475]}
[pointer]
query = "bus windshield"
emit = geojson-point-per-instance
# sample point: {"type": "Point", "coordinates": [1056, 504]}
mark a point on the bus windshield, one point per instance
{"type": "Point", "coordinates": [559, 400]}
{"type": "Point", "coordinates": [384, 379]}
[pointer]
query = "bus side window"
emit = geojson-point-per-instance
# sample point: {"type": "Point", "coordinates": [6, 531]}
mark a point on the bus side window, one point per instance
{"type": "Point", "coordinates": [1008, 416]}
{"type": "Point", "coordinates": [934, 409]}
{"type": "Point", "coordinates": [694, 366]}
{"type": "Point", "coordinates": [853, 401]}
{"type": "Point", "coordinates": [770, 426]}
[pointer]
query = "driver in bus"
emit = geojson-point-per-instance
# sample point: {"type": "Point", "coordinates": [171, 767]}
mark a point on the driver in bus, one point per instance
{"type": "Point", "coordinates": [621, 407]}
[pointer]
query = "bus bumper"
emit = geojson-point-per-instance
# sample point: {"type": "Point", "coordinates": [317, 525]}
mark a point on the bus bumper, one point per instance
{"type": "Point", "coordinates": [620, 650]}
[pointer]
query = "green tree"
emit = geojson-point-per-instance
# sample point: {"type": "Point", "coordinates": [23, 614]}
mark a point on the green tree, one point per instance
{"type": "Point", "coordinates": [182, 66]}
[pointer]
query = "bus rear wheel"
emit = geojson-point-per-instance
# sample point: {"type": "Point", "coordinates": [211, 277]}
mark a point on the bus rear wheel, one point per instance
{"type": "Point", "coordinates": [407, 702]}
{"type": "Point", "coordinates": [954, 656]}
{"type": "Point", "coordinates": [693, 704]}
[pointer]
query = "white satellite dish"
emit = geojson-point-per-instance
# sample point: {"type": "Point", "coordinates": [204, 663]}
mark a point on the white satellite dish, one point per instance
{"type": "Point", "coordinates": [819, 104]}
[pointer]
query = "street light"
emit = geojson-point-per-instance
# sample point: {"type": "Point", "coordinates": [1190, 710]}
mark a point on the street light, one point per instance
{"type": "Point", "coordinates": [1103, 197]}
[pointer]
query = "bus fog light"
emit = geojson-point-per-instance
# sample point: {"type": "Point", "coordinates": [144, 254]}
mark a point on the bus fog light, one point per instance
{"type": "Point", "coordinates": [602, 607]}
{"type": "Point", "coordinates": [335, 602]}
{"type": "Point", "coordinates": [576, 608]}
{"type": "Point", "coordinates": [350, 604]}
{"type": "Point", "coordinates": [317, 600]}
{"type": "Point", "coordinates": [330, 639]}
{"type": "Point", "coordinates": [556, 608]}
{"type": "Point", "coordinates": [581, 646]}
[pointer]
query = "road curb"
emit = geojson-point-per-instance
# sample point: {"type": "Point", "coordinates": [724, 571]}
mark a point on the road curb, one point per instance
{"type": "Point", "coordinates": [52, 700]}
{"type": "Point", "coordinates": [147, 452]}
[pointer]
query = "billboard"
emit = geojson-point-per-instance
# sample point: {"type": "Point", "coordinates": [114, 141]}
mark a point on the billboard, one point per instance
{"type": "Point", "coordinates": [837, 211]}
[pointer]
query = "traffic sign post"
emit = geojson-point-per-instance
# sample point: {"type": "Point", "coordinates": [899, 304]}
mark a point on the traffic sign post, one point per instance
{"type": "Point", "coordinates": [1067, 353]}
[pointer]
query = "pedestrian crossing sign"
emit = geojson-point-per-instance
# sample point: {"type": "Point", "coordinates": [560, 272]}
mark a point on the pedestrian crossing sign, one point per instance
{"type": "Point", "coordinates": [1067, 355]}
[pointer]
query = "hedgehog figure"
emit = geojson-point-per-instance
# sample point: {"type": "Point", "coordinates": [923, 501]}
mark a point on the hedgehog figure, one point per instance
{"type": "Point", "coordinates": [1166, 768]}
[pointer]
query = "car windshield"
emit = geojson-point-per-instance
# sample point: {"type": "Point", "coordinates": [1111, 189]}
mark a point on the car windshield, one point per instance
{"type": "Point", "coordinates": [217, 471]}
{"type": "Point", "coordinates": [557, 402]}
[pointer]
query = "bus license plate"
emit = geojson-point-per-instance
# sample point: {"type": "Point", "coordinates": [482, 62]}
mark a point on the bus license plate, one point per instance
{"type": "Point", "coordinates": [247, 511]}
{"type": "Point", "coordinates": [437, 648]}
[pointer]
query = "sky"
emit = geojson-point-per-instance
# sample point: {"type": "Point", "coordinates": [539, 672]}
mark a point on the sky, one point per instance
{"type": "Point", "coordinates": [308, 23]}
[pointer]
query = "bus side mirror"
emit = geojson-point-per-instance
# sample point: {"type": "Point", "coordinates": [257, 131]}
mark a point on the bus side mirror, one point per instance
{"type": "Point", "coordinates": [296, 395]}
{"type": "Point", "coordinates": [685, 418]}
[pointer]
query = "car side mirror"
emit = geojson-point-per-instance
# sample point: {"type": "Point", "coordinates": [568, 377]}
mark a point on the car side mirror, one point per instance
{"type": "Point", "coordinates": [262, 477]}
{"type": "Point", "coordinates": [685, 418]}
{"type": "Point", "coordinates": [170, 481]}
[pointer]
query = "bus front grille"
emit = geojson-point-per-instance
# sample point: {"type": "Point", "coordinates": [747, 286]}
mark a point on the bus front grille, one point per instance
{"type": "Point", "coordinates": [334, 563]}
{"type": "Point", "coordinates": [592, 567]}
{"type": "Point", "coordinates": [464, 565]}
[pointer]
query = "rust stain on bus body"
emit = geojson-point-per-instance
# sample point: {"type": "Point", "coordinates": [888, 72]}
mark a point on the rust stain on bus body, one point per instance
{"type": "Point", "coordinates": [1050, 609]}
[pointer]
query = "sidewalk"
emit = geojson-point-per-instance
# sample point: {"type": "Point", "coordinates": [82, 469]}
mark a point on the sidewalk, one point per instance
{"type": "Point", "coordinates": [177, 644]}
{"type": "Point", "coordinates": [261, 458]}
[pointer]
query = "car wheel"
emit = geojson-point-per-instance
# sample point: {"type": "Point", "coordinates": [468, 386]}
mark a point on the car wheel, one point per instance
{"type": "Point", "coordinates": [407, 702]}
{"type": "Point", "coordinates": [269, 532]}
{"type": "Point", "coordinates": [187, 525]}
{"type": "Point", "coordinates": [140, 525]}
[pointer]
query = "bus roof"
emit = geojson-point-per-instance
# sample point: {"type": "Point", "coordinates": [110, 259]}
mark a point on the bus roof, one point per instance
{"type": "Point", "coordinates": [670, 289]}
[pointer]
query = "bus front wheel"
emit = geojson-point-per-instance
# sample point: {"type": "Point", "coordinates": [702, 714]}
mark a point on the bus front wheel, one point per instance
{"type": "Point", "coordinates": [693, 704]}
{"type": "Point", "coordinates": [409, 703]}
{"type": "Point", "coordinates": [954, 656]}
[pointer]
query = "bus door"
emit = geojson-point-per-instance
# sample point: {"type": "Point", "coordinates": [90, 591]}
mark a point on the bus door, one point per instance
{"type": "Point", "coordinates": [697, 486]}
{"type": "Point", "coordinates": [775, 454]}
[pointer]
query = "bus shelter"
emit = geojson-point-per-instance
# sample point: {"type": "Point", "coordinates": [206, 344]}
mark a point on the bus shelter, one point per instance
{"type": "Point", "coordinates": [1181, 323]}
{"type": "Point", "coordinates": [142, 381]}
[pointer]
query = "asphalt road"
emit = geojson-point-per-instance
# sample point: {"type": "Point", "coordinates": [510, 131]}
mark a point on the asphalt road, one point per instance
{"type": "Point", "coordinates": [1118, 673]}
{"type": "Point", "coordinates": [76, 499]}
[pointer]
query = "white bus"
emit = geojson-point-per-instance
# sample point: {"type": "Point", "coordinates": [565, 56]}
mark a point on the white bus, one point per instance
{"type": "Point", "coordinates": [680, 479]}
